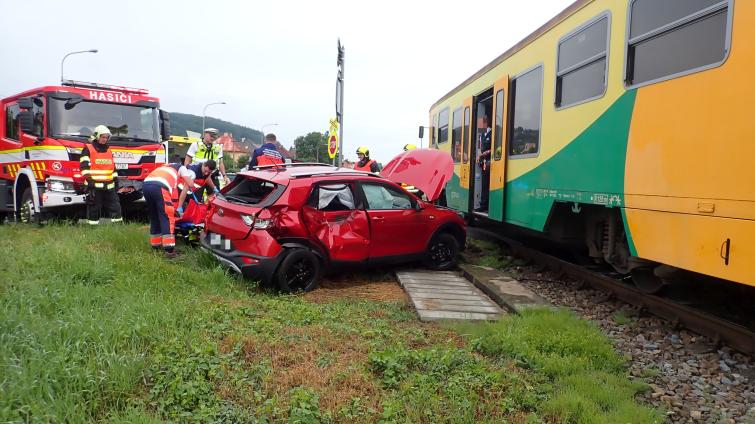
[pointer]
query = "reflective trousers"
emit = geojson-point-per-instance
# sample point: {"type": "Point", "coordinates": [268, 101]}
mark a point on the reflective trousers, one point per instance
{"type": "Point", "coordinates": [162, 220]}
{"type": "Point", "coordinates": [97, 200]}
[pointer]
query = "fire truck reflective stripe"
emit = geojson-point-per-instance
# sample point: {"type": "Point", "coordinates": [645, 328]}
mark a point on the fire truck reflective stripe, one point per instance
{"type": "Point", "coordinates": [44, 165]}
{"type": "Point", "coordinates": [45, 148]}
{"type": "Point", "coordinates": [51, 154]}
{"type": "Point", "coordinates": [11, 156]}
{"type": "Point", "coordinates": [93, 222]}
{"type": "Point", "coordinates": [115, 220]}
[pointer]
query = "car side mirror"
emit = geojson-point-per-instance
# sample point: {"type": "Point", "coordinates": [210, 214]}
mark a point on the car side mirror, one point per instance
{"type": "Point", "coordinates": [164, 125]}
{"type": "Point", "coordinates": [419, 206]}
{"type": "Point", "coordinates": [26, 120]}
{"type": "Point", "coordinates": [25, 103]}
{"type": "Point", "coordinates": [421, 131]}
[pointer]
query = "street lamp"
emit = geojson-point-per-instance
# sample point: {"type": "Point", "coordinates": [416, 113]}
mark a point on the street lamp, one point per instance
{"type": "Point", "coordinates": [262, 131]}
{"type": "Point", "coordinates": [64, 59]}
{"type": "Point", "coordinates": [204, 112]}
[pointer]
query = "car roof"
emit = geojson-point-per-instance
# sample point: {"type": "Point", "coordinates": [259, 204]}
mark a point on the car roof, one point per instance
{"type": "Point", "coordinates": [283, 173]}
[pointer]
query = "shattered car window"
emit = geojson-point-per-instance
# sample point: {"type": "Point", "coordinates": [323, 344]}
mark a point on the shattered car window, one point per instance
{"type": "Point", "coordinates": [335, 197]}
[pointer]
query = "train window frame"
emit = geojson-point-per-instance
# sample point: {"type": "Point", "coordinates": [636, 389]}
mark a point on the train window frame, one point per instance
{"type": "Point", "coordinates": [606, 55]}
{"type": "Point", "coordinates": [465, 136]}
{"type": "Point", "coordinates": [512, 113]}
{"type": "Point", "coordinates": [454, 141]}
{"type": "Point", "coordinates": [440, 127]}
{"type": "Point", "coordinates": [670, 28]}
{"type": "Point", "coordinates": [433, 128]}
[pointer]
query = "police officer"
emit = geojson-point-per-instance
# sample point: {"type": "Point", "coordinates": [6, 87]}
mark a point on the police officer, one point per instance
{"type": "Point", "coordinates": [365, 163]}
{"type": "Point", "coordinates": [98, 167]}
{"type": "Point", "coordinates": [207, 149]}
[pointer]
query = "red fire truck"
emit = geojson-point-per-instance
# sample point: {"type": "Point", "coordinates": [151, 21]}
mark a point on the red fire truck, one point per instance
{"type": "Point", "coordinates": [45, 130]}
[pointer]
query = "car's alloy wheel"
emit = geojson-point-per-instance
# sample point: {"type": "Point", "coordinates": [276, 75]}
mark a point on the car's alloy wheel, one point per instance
{"type": "Point", "coordinates": [442, 252]}
{"type": "Point", "coordinates": [299, 271]}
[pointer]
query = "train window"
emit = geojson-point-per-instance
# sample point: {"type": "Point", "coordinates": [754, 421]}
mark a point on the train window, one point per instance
{"type": "Point", "coordinates": [456, 136]}
{"type": "Point", "coordinates": [465, 144]}
{"type": "Point", "coordinates": [443, 126]}
{"type": "Point", "coordinates": [582, 55]}
{"type": "Point", "coordinates": [675, 37]}
{"type": "Point", "coordinates": [11, 121]}
{"type": "Point", "coordinates": [498, 125]}
{"type": "Point", "coordinates": [433, 126]}
{"type": "Point", "coordinates": [524, 123]}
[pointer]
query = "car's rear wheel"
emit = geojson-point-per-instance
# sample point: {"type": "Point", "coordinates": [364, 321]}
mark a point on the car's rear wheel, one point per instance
{"type": "Point", "coordinates": [299, 271]}
{"type": "Point", "coordinates": [442, 252]}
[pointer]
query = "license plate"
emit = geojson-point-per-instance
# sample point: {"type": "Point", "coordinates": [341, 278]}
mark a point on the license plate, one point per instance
{"type": "Point", "coordinates": [121, 166]}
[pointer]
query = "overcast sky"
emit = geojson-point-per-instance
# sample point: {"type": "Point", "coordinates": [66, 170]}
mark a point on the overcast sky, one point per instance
{"type": "Point", "coordinates": [272, 62]}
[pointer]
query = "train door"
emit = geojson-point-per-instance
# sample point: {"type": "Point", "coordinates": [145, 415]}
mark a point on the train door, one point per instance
{"type": "Point", "coordinates": [462, 151]}
{"type": "Point", "coordinates": [480, 154]}
{"type": "Point", "coordinates": [498, 149]}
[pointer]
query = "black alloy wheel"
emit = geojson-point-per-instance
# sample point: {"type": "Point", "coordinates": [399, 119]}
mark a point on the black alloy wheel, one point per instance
{"type": "Point", "coordinates": [442, 253]}
{"type": "Point", "coordinates": [298, 272]}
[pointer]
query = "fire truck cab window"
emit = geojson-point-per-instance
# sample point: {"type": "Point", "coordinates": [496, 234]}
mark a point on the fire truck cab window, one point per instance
{"type": "Point", "coordinates": [11, 121]}
{"type": "Point", "coordinates": [130, 125]}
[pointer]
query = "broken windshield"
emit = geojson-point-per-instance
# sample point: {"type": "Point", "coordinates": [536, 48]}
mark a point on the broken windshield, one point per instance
{"type": "Point", "coordinates": [130, 125]}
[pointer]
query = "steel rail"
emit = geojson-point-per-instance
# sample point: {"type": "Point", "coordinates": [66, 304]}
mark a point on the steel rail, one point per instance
{"type": "Point", "coordinates": [719, 330]}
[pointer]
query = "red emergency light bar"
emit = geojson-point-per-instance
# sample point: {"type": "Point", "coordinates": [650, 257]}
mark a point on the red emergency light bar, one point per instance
{"type": "Point", "coordinates": [72, 83]}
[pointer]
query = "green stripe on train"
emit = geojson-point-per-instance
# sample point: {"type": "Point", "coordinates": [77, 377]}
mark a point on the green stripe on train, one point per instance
{"type": "Point", "coordinates": [588, 170]}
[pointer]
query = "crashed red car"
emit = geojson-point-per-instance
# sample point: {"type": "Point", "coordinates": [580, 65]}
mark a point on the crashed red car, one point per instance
{"type": "Point", "coordinates": [285, 224]}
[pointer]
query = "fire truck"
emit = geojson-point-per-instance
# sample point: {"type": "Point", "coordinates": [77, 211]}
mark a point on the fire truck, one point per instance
{"type": "Point", "coordinates": [45, 130]}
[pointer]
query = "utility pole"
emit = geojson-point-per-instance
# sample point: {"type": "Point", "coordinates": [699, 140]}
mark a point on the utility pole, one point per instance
{"type": "Point", "coordinates": [339, 100]}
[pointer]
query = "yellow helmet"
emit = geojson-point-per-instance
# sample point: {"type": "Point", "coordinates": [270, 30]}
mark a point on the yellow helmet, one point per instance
{"type": "Point", "coordinates": [363, 150]}
{"type": "Point", "coordinates": [409, 146]}
{"type": "Point", "coordinates": [100, 130]}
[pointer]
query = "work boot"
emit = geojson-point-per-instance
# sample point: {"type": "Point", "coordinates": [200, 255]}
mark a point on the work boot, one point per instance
{"type": "Point", "coordinates": [173, 254]}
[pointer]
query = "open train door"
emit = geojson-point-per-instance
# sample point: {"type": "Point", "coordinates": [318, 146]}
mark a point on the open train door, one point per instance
{"type": "Point", "coordinates": [499, 149]}
{"type": "Point", "coordinates": [465, 174]}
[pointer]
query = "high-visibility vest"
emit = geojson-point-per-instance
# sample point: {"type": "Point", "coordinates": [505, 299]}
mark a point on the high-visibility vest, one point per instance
{"type": "Point", "coordinates": [269, 157]}
{"type": "Point", "coordinates": [367, 166]}
{"type": "Point", "coordinates": [166, 175]}
{"type": "Point", "coordinates": [101, 168]}
{"type": "Point", "coordinates": [204, 153]}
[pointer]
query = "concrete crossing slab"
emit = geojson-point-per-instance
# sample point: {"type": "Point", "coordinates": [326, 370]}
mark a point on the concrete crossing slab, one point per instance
{"type": "Point", "coordinates": [446, 295]}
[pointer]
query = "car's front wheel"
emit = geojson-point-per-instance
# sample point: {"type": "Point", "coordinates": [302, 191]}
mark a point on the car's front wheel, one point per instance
{"type": "Point", "coordinates": [442, 252]}
{"type": "Point", "coordinates": [299, 271]}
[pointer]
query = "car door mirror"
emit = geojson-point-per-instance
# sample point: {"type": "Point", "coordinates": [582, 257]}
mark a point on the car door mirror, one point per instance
{"type": "Point", "coordinates": [419, 206]}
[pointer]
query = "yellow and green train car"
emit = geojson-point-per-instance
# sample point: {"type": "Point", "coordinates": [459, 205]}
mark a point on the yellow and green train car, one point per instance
{"type": "Point", "coordinates": [623, 126]}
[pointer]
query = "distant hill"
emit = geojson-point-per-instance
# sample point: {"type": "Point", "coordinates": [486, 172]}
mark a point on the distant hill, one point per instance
{"type": "Point", "coordinates": [180, 122]}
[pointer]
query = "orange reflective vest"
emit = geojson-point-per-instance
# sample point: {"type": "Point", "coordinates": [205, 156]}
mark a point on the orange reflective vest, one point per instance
{"type": "Point", "coordinates": [166, 175]}
{"type": "Point", "coordinates": [367, 166]}
{"type": "Point", "coordinates": [102, 168]}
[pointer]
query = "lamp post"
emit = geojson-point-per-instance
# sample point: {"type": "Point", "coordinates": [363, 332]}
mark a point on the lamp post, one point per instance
{"type": "Point", "coordinates": [204, 112]}
{"type": "Point", "coordinates": [64, 60]}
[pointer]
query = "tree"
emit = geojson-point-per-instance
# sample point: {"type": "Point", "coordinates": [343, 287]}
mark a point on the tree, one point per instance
{"type": "Point", "coordinates": [242, 161]}
{"type": "Point", "coordinates": [312, 148]}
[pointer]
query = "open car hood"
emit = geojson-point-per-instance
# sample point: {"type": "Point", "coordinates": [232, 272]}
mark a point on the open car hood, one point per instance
{"type": "Point", "coordinates": [427, 169]}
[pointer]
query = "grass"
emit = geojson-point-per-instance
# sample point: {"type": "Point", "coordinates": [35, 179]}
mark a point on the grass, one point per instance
{"type": "Point", "coordinates": [488, 254]}
{"type": "Point", "coordinates": [96, 327]}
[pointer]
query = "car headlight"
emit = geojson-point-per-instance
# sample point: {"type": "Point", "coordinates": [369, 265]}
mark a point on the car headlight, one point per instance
{"type": "Point", "coordinates": [58, 185]}
{"type": "Point", "coordinates": [74, 150]}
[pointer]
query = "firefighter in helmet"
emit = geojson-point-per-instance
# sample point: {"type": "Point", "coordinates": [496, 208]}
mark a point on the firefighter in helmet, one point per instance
{"type": "Point", "coordinates": [407, 187]}
{"type": "Point", "coordinates": [98, 167]}
{"type": "Point", "coordinates": [409, 146]}
{"type": "Point", "coordinates": [365, 163]}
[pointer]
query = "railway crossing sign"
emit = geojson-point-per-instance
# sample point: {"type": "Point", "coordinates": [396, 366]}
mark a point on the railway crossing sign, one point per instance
{"type": "Point", "coordinates": [333, 138]}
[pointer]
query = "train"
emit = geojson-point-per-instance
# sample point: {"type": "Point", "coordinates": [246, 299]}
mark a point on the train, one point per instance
{"type": "Point", "coordinates": [621, 128]}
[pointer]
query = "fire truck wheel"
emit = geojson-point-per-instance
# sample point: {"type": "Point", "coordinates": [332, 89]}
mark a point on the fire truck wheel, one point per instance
{"type": "Point", "coordinates": [26, 213]}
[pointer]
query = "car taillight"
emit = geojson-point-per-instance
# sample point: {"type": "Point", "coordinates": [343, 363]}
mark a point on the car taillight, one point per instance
{"type": "Point", "coordinates": [261, 224]}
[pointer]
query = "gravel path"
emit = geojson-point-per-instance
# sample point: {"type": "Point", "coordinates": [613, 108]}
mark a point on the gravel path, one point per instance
{"type": "Point", "coordinates": [689, 377]}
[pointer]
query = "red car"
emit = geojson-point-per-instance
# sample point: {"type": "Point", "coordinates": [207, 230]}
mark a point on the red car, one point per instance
{"type": "Point", "coordinates": [285, 224]}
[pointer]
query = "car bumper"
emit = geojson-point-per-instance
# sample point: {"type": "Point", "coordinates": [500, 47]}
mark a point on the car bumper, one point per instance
{"type": "Point", "coordinates": [255, 267]}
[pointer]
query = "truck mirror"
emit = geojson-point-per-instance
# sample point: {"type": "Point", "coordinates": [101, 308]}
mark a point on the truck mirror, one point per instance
{"type": "Point", "coordinates": [25, 103]}
{"type": "Point", "coordinates": [421, 131]}
{"type": "Point", "coordinates": [26, 119]}
{"type": "Point", "coordinates": [164, 124]}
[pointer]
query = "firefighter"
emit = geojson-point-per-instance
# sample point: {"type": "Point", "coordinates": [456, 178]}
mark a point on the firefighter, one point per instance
{"type": "Point", "coordinates": [407, 187]}
{"type": "Point", "coordinates": [365, 163]}
{"type": "Point", "coordinates": [267, 154]}
{"type": "Point", "coordinates": [98, 167]}
{"type": "Point", "coordinates": [207, 149]}
{"type": "Point", "coordinates": [160, 189]}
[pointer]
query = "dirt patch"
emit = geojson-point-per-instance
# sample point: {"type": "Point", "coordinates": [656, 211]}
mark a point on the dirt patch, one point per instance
{"type": "Point", "coordinates": [315, 357]}
{"type": "Point", "coordinates": [356, 287]}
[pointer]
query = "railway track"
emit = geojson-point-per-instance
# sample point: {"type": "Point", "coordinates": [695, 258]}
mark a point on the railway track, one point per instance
{"type": "Point", "coordinates": [717, 329]}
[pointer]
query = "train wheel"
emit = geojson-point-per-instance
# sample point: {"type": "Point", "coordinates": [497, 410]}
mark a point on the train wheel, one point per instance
{"type": "Point", "coordinates": [646, 281]}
